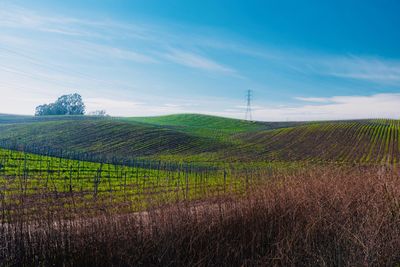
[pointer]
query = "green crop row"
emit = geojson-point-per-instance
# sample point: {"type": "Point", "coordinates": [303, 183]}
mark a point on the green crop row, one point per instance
{"type": "Point", "coordinates": [29, 181]}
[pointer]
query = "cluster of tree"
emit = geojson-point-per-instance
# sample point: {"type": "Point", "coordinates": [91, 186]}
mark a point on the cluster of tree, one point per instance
{"type": "Point", "coordinates": [65, 105]}
{"type": "Point", "coordinates": [99, 113]}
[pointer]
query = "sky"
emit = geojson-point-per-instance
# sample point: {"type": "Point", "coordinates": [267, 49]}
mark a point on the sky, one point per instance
{"type": "Point", "coordinates": [303, 60]}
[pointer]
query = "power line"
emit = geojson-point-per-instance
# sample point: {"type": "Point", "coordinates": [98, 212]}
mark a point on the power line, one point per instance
{"type": "Point", "coordinates": [248, 115]}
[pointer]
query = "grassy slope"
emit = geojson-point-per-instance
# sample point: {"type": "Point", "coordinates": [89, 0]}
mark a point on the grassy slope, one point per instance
{"type": "Point", "coordinates": [176, 137]}
{"type": "Point", "coordinates": [201, 125]}
{"type": "Point", "coordinates": [207, 125]}
{"type": "Point", "coordinates": [201, 137]}
{"type": "Point", "coordinates": [201, 121]}
{"type": "Point", "coordinates": [373, 141]}
{"type": "Point", "coordinates": [109, 137]}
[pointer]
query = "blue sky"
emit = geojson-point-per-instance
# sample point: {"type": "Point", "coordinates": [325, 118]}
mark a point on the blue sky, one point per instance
{"type": "Point", "coordinates": [304, 60]}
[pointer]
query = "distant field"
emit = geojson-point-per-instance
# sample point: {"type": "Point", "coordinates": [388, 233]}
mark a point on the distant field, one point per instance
{"type": "Point", "coordinates": [210, 126]}
{"type": "Point", "coordinates": [199, 123]}
{"type": "Point", "coordinates": [363, 141]}
{"type": "Point", "coordinates": [109, 137]}
{"type": "Point", "coordinates": [202, 138]}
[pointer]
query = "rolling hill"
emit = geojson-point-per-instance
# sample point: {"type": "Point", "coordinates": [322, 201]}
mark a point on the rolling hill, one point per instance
{"type": "Point", "coordinates": [195, 137]}
{"type": "Point", "coordinates": [209, 126]}
{"type": "Point", "coordinates": [108, 137]}
{"type": "Point", "coordinates": [365, 141]}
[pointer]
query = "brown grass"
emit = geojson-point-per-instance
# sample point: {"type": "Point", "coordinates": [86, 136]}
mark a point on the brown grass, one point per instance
{"type": "Point", "coordinates": [319, 217]}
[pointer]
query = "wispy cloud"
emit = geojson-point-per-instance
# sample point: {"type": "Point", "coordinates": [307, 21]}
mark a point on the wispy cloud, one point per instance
{"type": "Point", "coordinates": [337, 107]}
{"type": "Point", "coordinates": [197, 61]}
{"type": "Point", "coordinates": [115, 106]}
{"type": "Point", "coordinates": [372, 69]}
{"type": "Point", "coordinates": [113, 52]}
{"type": "Point", "coordinates": [366, 68]}
{"type": "Point", "coordinates": [313, 99]}
{"type": "Point", "coordinates": [16, 17]}
{"type": "Point", "coordinates": [118, 107]}
{"type": "Point", "coordinates": [95, 32]}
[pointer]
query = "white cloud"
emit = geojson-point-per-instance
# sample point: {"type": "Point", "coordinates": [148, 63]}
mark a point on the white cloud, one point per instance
{"type": "Point", "coordinates": [112, 52]}
{"type": "Point", "coordinates": [98, 34]}
{"type": "Point", "coordinates": [338, 107]}
{"type": "Point", "coordinates": [15, 17]}
{"type": "Point", "coordinates": [19, 102]}
{"type": "Point", "coordinates": [370, 69]}
{"type": "Point", "coordinates": [172, 105]}
{"type": "Point", "coordinates": [313, 99]}
{"type": "Point", "coordinates": [101, 103]}
{"type": "Point", "coordinates": [364, 68]}
{"type": "Point", "coordinates": [196, 61]}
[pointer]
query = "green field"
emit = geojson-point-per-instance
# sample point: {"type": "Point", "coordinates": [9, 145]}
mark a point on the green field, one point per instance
{"type": "Point", "coordinates": [106, 161]}
{"type": "Point", "coordinates": [362, 141]}
{"type": "Point", "coordinates": [30, 182]}
{"type": "Point", "coordinates": [134, 162]}
{"type": "Point", "coordinates": [202, 138]}
{"type": "Point", "coordinates": [69, 179]}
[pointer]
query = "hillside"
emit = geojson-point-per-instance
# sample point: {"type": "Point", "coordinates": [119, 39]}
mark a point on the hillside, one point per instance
{"type": "Point", "coordinates": [200, 121]}
{"type": "Point", "coordinates": [207, 125]}
{"type": "Point", "coordinates": [365, 141]}
{"type": "Point", "coordinates": [108, 137]}
{"type": "Point", "coordinates": [175, 137]}
{"type": "Point", "coordinates": [194, 137]}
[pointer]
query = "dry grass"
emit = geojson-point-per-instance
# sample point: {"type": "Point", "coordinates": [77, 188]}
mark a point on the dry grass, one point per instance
{"type": "Point", "coordinates": [319, 217]}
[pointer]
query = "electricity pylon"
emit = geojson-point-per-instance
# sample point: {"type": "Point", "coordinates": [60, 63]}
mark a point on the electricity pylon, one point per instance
{"type": "Point", "coordinates": [248, 108]}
